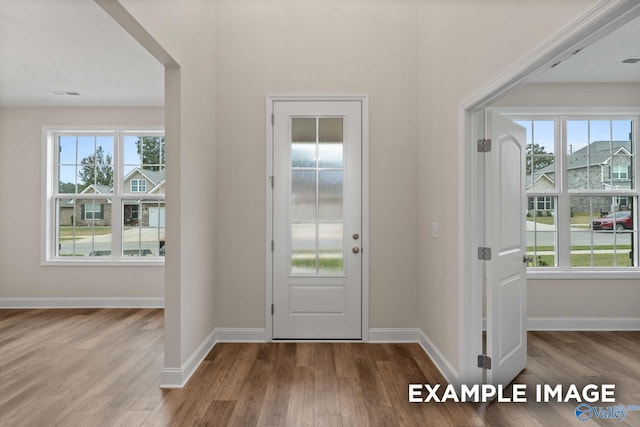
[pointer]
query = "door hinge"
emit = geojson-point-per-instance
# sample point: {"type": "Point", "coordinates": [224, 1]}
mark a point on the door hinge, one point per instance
{"type": "Point", "coordinates": [272, 245]}
{"type": "Point", "coordinates": [484, 145]}
{"type": "Point", "coordinates": [273, 119]}
{"type": "Point", "coordinates": [484, 254]}
{"type": "Point", "coordinates": [484, 361]}
{"type": "Point", "coordinates": [271, 178]}
{"type": "Point", "coordinates": [272, 310]}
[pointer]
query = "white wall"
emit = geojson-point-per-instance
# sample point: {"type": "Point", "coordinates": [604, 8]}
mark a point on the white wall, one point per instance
{"type": "Point", "coordinates": [21, 274]}
{"type": "Point", "coordinates": [579, 297]}
{"type": "Point", "coordinates": [302, 47]}
{"type": "Point", "coordinates": [186, 31]}
{"type": "Point", "coordinates": [463, 46]}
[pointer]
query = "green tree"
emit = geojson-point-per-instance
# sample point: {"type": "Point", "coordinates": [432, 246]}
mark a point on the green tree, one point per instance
{"type": "Point", "coordinates": [151, 150]}
{"type": "Point", "coordinates": [67, 187]}
{"type": "Point", "coordinates": [97, 169]}
{"type": "Point", "coordinates": [537, 158]}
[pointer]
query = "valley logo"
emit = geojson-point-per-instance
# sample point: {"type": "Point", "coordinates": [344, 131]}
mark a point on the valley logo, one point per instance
{"type": "Point", "coordinates": [584, 412]}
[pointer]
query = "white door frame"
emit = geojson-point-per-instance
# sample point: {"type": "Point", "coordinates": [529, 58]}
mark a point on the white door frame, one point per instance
{"type": "Point", "coordinates": [364, 101]}
{"type": "Point", "coordinates": [605, 17]}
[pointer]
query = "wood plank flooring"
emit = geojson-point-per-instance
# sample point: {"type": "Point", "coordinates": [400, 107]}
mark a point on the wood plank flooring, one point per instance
{"type": "Point", "coordinates": [101, 367]}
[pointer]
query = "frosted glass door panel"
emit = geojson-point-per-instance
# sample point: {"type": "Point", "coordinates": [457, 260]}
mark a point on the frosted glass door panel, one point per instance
{"type": "Point", "coordinates": [303, 195]}
{"type": "Point", "coordinates": [316, 198]}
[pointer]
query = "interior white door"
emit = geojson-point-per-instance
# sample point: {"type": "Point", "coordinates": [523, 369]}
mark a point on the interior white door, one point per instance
{"type": "Point", "coordinates": [506, 236]}
{"type": "Point", "coordinates": [317, 210]}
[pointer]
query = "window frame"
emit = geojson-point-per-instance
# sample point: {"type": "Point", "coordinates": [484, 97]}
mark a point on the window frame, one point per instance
{"type": "Point", "coordinates": [139, 188]}
{"type": "Point", "coordinates": [561, 115]}
{"type": "Point", "coordinates": [50, 195]}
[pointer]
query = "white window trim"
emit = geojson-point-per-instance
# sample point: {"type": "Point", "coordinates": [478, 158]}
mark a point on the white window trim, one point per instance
{"type": "Point", "coordinates": [139, 188]}
{"type": "Point", "coordinates": [48, 208]}
{"type": "Point", "coordinates": [563, 114]}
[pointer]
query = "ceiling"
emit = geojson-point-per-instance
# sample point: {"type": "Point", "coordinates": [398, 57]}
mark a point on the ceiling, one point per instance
{"type": "Point", "coordinates": [601, 62]}
{"type": "Point", "coordinates": [72, 46]}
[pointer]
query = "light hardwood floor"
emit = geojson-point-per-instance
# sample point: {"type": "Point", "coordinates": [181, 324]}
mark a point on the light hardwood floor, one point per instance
{"type": "Point", "coordinates": [101, 367]}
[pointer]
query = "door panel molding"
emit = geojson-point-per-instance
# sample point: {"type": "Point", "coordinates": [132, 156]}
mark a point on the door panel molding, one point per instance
{"type": "Point", "coordinates": [271, 99]}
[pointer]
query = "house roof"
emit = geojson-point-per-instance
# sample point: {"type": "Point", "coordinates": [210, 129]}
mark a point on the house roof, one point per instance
{"type": "Point", "coordinates": [530, 180]}
{"type": "Point", "coordinates": [593, 154]}
{"type": "Point", "coordinates": [156, 177]}
{"type": "Point", "coordinates": [99, 188]}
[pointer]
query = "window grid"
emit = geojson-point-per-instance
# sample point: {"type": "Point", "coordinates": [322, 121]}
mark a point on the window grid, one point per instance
{"type": "Point", "coordinates": [610, 248]}
{"type": "Point", "coordinates": [98, 236]}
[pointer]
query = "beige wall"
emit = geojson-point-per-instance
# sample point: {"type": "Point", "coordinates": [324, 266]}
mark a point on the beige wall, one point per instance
{"type": "Point", "coordinates": [186, 30]}
{"type": "Point", "coordinates": [302, 47]}
{"type": "Point", "coordinates": [21, 274]}
{"type": "Point", "coordinates": [579, 297]}
{"type": "Point", "coordinates": [463, 46]}
{"type": "Point", "coordinates": [572, 95]}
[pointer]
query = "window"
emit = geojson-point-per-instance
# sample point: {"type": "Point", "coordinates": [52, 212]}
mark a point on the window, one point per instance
{"type": "Point", "coordinates": [94, 206]}
{"type": "Point", "coordinates": [541, 203]}
{"type": "Point", "coordinates": [581, 191]}
{"type": "Point", "coordinates": [92, 211]}
{"type": "Point", "coordinates": [620, 172]}
{"type": "Point", "coordinates": [138, 185]}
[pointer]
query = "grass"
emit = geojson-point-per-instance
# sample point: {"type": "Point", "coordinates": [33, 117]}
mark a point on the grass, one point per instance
{"type": "Point", "coordinates": [579, 248]}
{"type": "Point", "coordinates": [549, 220]}
{"type": "Point", "coordinates": [584, 260]}
{"type": "Point", "coordinates": [328, 262]}
{"type": "Point", "coordinates": [578, 218]}
{"type": "Point", "coordinates": [67, 233]}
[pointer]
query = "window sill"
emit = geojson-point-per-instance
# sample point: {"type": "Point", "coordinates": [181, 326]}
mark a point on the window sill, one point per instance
{"type": "Point", "coordinates": [583, 274]}
{"type": "Point", "coordinates": [106, 263]}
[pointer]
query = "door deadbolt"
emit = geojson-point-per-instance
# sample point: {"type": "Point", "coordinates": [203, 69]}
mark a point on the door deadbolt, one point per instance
{"type": "Point", "coordinates": [356, 250]}
{"type": "Point", "coordinates": [356, 236]}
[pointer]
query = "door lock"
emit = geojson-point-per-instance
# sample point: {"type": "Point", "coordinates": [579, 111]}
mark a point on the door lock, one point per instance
{"type": "Point", "coordinates": [355, 236]}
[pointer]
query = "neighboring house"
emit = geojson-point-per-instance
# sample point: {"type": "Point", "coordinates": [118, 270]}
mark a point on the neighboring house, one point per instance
{"type": "Point", "coordinates": [602, 165]}
{"type": "Point", "coordinates": [136, 212]}
{"type": "Point", "coordinates": [87, 212]}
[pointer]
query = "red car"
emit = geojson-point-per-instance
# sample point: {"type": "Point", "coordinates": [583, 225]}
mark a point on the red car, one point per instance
{"type": "Point", "coordinates": [623, 220]}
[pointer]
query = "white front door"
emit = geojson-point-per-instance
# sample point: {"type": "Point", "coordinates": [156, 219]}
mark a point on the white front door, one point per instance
{"type": "Point", "coordinates": [317, 217]}
{"type": "Point", "coordinates": [506, 237]}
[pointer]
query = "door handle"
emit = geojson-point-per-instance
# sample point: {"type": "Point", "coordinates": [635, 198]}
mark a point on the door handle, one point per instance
{"type": "Point", "coordinates": [356, 250]}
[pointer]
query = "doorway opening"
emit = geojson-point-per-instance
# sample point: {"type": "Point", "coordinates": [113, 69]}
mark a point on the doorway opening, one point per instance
{"type": "Point", "coordinates": [472, 285]}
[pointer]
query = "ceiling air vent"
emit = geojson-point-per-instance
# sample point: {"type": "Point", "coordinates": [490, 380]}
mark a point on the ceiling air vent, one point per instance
{"type": "Point", "coordinates": [631, 60]}
{"type": "Point", "coordinates": [64, 93]}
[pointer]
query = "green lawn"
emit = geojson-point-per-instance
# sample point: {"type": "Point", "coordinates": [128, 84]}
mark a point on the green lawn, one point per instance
{"type": "Point", "coordinates": [71, 233]}
{"type": "Point", "coordinates": [549, 220]}
{"type": "Point", "coordinates": [579, 248]}
{"type": "Point", "coordinates": [578, 219]}
{"type": "Point", "coordinates": [584, 260]}
{"type": "Point", "coordinates": [326, 263]}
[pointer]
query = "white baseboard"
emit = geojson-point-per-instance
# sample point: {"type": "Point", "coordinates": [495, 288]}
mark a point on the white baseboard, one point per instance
{"type": "Point", "coordinates": [418, 336]}
{"type": "Point", "coordinates": [583, 324]}
{"type": "Point", "coordinates": [178, 377]}
{"type": "Point", "coordinates": [241, 335]}
{"type": "Point", "coordinates": [394, 335]}
{"type": "Point", "coordinates": [61, 302]}
{"type": "Point", "coordinates": [444, 366]}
